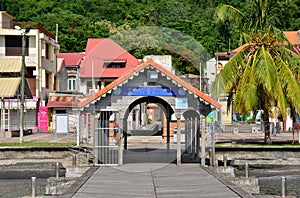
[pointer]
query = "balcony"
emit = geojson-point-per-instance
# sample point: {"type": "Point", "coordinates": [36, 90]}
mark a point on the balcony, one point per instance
{"type": "Point", "coordinates": [29, 60]}
{"type": "Point", "coordinates": [48, 65]}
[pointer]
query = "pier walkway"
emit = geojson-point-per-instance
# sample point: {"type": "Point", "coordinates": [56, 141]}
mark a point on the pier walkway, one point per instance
{"type": "Point", "coordinates": [151, 173]}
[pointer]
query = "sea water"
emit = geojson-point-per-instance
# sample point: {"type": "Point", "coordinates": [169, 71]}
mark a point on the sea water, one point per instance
{"type": "Point", "coordinates": [272, 185]}
{"type": "Point", "coordinates": [14, 188]}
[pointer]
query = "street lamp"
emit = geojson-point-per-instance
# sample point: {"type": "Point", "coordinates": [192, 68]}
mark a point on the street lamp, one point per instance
{"type": "Point", "coordinates": [22, 80]}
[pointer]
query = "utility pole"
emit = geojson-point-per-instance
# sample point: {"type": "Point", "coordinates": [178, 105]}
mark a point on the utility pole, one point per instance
{"type": "Point", "coordinates": [22, 88]}
{"type": "Point", "coordinates": [200, 76]}
{"type": "Point", "coordinates": [22, 81]}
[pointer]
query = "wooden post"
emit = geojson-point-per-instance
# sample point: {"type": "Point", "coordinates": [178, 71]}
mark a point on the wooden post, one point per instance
{"type": "Point", "coordinates": [213, 151]}
{"type": "Point", "coordinates": [168, 135]}
{"type": "Point", "coordinates": [120, 148]}
{"type": "Point", "coordinates": [178, 141]}
{"type": "Point", "coordinates": [203, 143]}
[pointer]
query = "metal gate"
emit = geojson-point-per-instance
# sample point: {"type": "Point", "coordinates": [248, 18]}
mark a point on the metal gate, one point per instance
{"type": "Point", "coordinates": [107, 146]}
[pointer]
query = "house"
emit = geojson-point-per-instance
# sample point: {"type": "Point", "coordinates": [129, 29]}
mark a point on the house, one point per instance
{"type": "Point", "coordinates": [64, 100]}
{"type": "Point", "coordinates": [40, 54]}
{"type": "Point", "coordinates": [104, 61]}
{"type": "Point", "coordinates": [72, 62]}
{"type": "Point", "coordinates": [147, 83]}
{"type": "Point", "coordinates": [86, 72]}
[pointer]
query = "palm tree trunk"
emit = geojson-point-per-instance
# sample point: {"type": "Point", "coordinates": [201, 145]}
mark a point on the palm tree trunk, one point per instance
{"type": "Point", "coordinates": [267, 127]}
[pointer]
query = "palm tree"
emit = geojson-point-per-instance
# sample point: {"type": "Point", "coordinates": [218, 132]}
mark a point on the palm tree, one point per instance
{"type": "Point", "coordinates": [265, 73]}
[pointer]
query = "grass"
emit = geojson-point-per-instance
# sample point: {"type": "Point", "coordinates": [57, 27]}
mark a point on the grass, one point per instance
{"type": "Point", "coordinates": [257, 144]}
{"type": "Point", "coordinates": [41, 144]}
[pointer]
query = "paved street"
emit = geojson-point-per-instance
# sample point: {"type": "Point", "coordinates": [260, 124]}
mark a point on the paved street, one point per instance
{"type": "Point", "coordinates": [222, 137]}
{"type": "Point", "coordinates": [43, 137]}
{"type": "Point", "coordinates": [249, 137]}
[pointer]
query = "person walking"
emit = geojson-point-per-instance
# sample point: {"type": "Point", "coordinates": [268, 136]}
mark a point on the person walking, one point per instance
{"type": "Point", "coordinates": [116, 131]}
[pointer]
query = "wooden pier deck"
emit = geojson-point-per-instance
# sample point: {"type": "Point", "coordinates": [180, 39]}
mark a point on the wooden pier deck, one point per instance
{"type": "Point", "coordinates": [151, 174]}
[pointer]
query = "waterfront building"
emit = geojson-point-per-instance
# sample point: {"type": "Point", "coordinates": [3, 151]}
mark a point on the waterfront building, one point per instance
{"type": "Point", "coordinates": [40, 54]}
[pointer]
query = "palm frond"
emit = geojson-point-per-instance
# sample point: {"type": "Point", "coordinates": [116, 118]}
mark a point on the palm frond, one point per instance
{"type": "Point", "coordinates": [233, 70]}
{"type": "Point", "coordinates": [281, 99]}
{"type": "Point", "coordinates": [279, 35]}
{"type": "Point", "coordinates": [288, 82]}
{"type": "Point", "coordinates": [218, 88]}
{"type": "Point", "coordinates": [227, 12]}
{"type": "Point", "coordinates": [252, 84]}
{"type": "Point", "coordinates": [291, 59]}
{"type": "Point", "coordinates": [265, 69]}
{"type": "Point", "coordinates": [243, 85]}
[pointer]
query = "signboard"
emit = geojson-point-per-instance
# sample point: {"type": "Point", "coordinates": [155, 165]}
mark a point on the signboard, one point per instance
{"type": "Point", "coordinates": [43, 119]}
{"type": "Point", "coordinates": [149, 91]}
{"type": "Point", "coordinates": [62, 123]}
{"type": "Point", "coordinates": [211, 117]}
{"type": "Point", "coordinates": [181, 103]}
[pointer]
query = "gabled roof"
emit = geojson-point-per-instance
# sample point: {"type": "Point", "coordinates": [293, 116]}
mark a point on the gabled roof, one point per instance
{"type": "Point", "coordinates": [7, 15]}
{"type": "Point", "coordinates": [60, 64]}
{"type": "Point", "coordinates": [103, 50]}
{"type": "Point", "coordinates": [139, 68]}
{"type": "Point", "coordinates": [72, 59]}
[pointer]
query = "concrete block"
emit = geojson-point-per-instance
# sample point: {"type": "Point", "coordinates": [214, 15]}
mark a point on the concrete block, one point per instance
{"type": "Point", "coordinates": [57, 186]}
{"type": "Point", "coordinates": [248, 184]}
{"type": "Point", "coordinates": [226, 171]}
{"type": "Point", "coordinates": [76, 171]}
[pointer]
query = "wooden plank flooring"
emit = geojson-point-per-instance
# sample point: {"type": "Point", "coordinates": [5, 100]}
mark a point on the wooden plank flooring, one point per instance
{"type": "Point", "coordinates": [144, 176]}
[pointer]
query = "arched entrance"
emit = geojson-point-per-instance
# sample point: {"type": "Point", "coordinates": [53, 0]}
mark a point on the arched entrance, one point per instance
{"type": "Point", "coordinates": [163, 105]}
{"type": "Point", "coordinates": [149, 82]}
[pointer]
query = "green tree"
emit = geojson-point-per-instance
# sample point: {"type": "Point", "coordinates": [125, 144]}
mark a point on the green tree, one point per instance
{"type": "Point", "coordinates": [265, 73]}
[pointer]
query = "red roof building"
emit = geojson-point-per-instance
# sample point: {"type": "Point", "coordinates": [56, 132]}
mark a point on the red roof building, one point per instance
{"type": "Point", "coordinates": [72, 59]}
{"type": "Point", "coordinates": [130, 73]}
{"type": "Point", "coordinates": [106, 59]}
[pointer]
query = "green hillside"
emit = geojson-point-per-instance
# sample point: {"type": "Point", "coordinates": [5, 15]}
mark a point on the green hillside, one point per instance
{"type": "Point", "coordinates": [82, 19]}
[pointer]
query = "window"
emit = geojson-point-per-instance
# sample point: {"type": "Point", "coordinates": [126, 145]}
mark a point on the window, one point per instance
{"type": "Point", "coordinates": [72, 83]}
{"type": "Point", "coordinates": [152, 76]}
{"type": "Point", "coordinates": [61, 111]}
{"type": "Point", "coordinates": [47, 51]}
{"type": "Point", "coordinates": [47, 80]}
{"type": "Point", "coordinates": [107, 83]}
{"type": "Point", "coordinates": [114, 64]}
{"type": "Point", "coordinates": [13, 45]}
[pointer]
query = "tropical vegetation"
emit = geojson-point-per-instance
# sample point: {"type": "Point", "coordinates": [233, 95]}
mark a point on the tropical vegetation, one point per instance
{"type": "Point", "coordinates": [81, 19]}
{"type": "Point", "coordinates": [265, 74]}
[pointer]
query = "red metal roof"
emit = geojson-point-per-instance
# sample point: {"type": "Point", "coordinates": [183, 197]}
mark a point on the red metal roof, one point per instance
{"type": "Point", "coordinates": [140, 67]}
{"type": "Point", "coordinates": [101, 50]}
{"type": "Point", "coordinates": [72, 59]}
{"type": "Point", "coordinates": [292, 36]}
{"type": "Point", "coordinates": [60, 64]}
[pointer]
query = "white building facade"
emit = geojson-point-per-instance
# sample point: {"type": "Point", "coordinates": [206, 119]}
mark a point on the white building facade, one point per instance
{"type": "Point", "coordinates": [40, 54]}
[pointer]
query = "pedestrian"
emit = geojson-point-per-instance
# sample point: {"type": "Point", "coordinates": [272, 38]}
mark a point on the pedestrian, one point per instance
{"type": "Point", "coordinates": [116, 131]}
